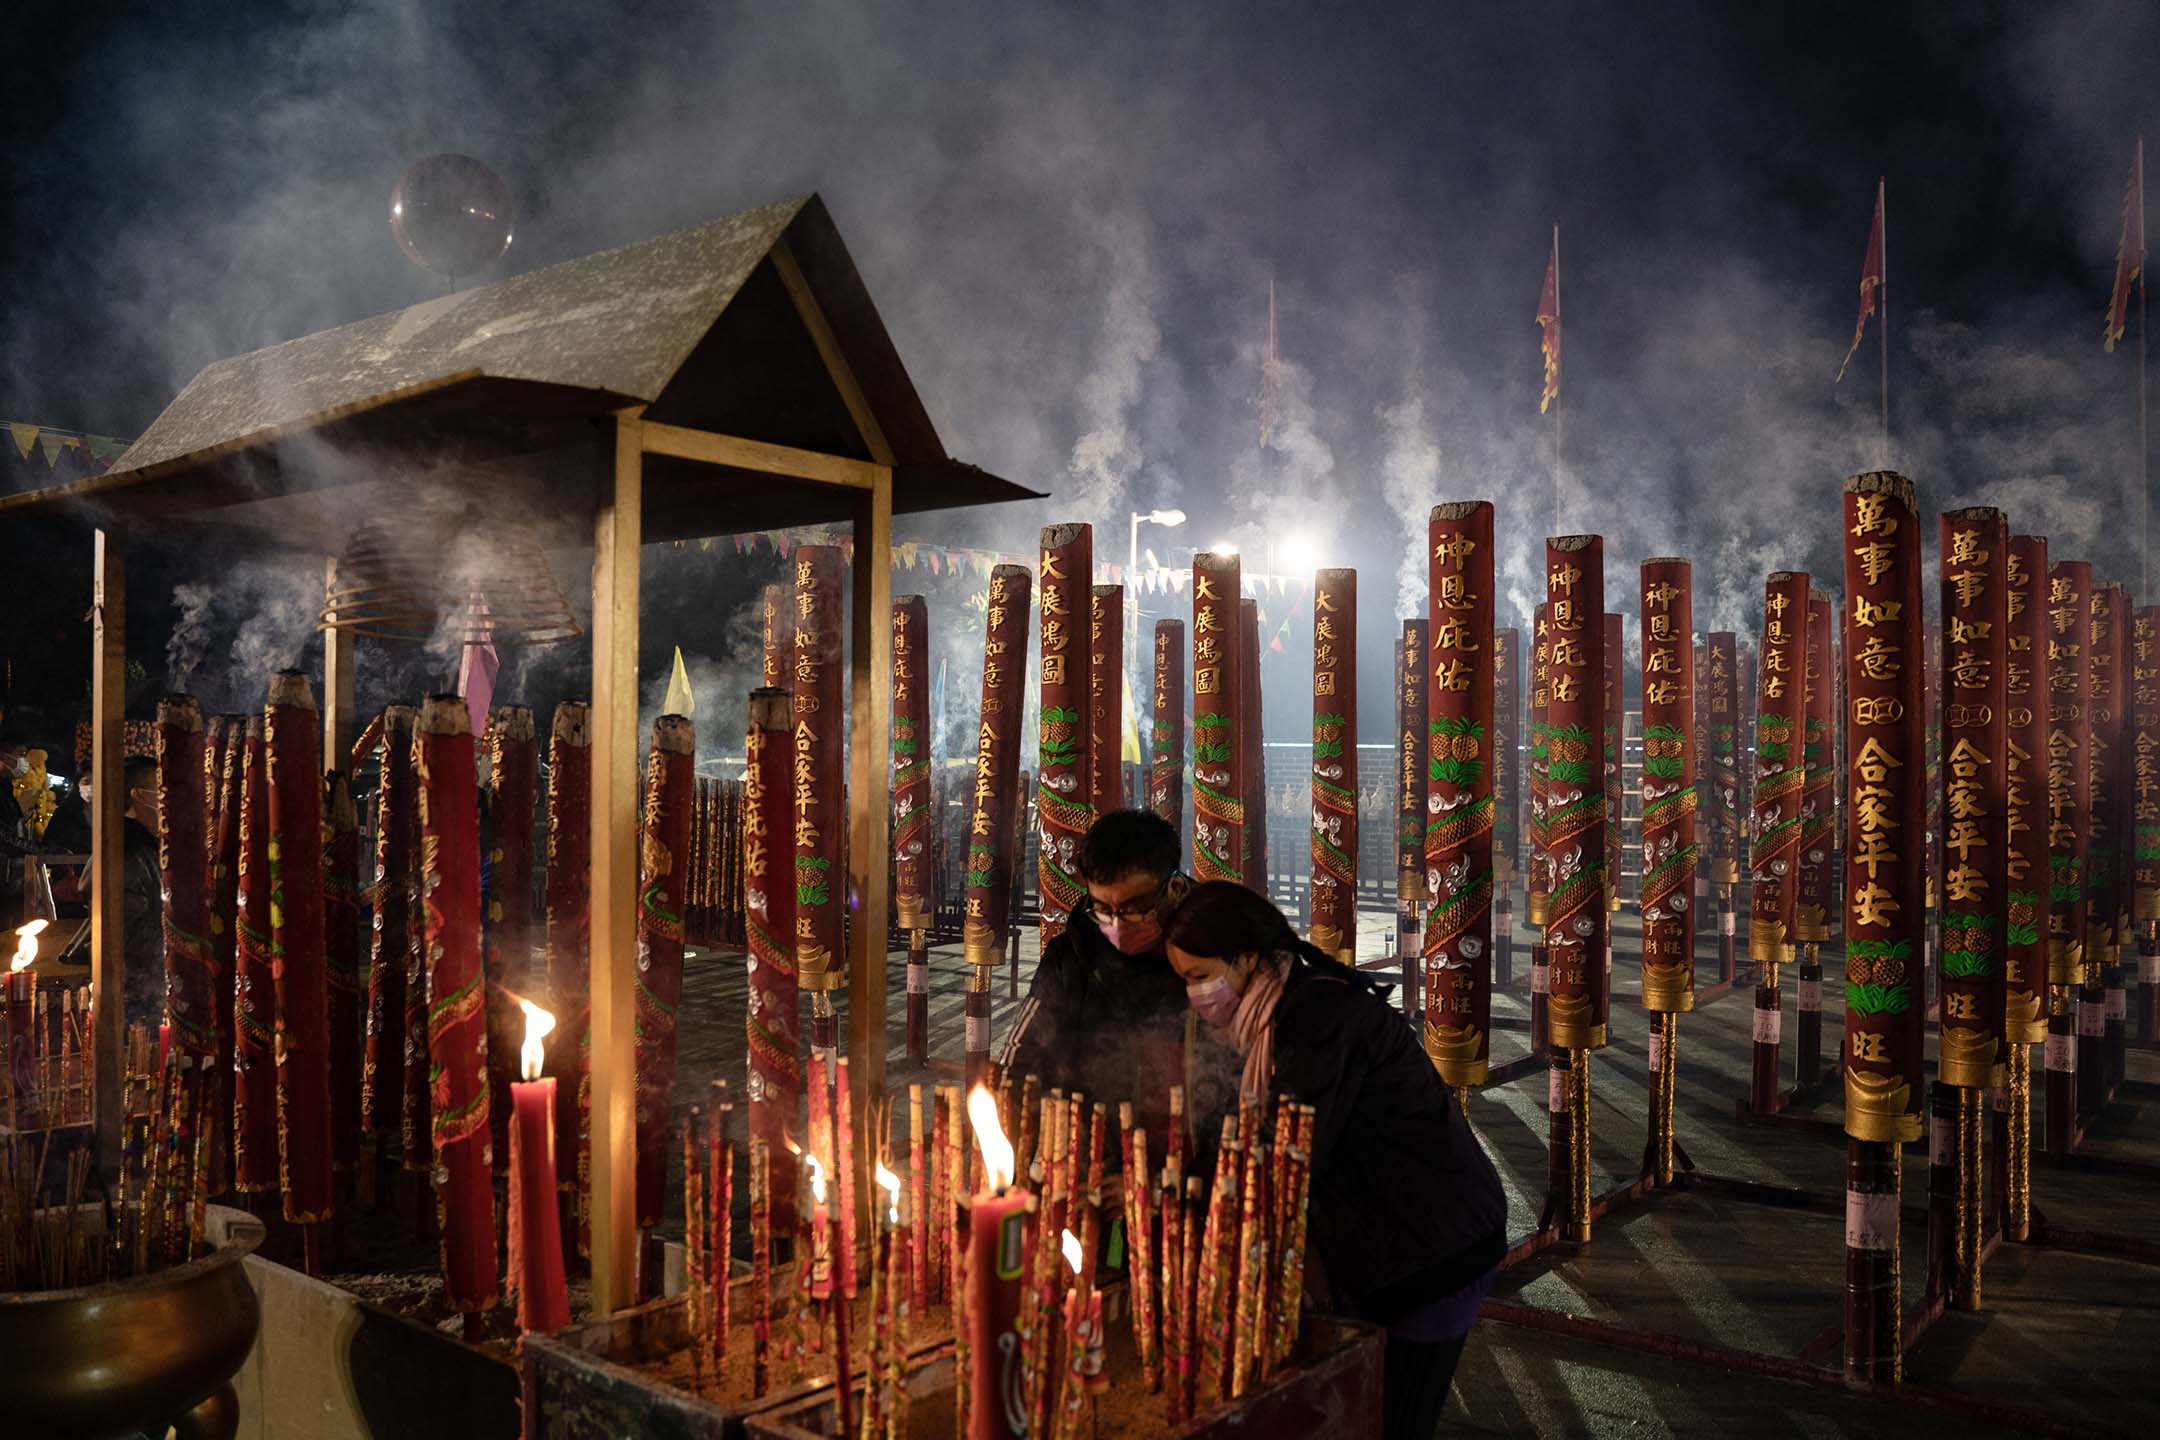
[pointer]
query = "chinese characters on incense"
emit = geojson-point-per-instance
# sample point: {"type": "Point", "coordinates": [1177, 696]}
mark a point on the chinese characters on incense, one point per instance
{"type": "Point", "coordinates": [2025, 866]}
{"type": "Point", "coordinates": [569, 930]}
{"type": "Point", "coordinates": [392, 942]}
{"type": "Point", "coordinates": [1778, 821]}
{"type": "Point", "coordinates": [1974, 906]}
{"type": "Point", "coordinates": [1106, 698]}
{"type": "Point", "coordinates": [819, 856]}
{"type": "Point", "coordinates": [1667, 892]}
{"type": "Point", "coordinates": [1884, 900]}
{"type": "Point", "coordinates": [292, 744]}
{"type": "Point", "coordinates": [2144, 678]}
{"type": "Point", "coordinates": [1062, 787]}
{"type": "Point", "coordinates": [2070, 813]}
{"type": "Point", "coordinates": [772, 1016]}
{"type": "Point", "coordinates": [1721, 652]}
{"type": "Point", "coordinates": [992, 834]}
{"type": "Point", "coordinates": [1457, 840]}
{"type": "Point", "coordinates": [1334, 764]}
{"type": "Point", "coordinates": [1218, 750]}
{"type": "Point", "coordinates": [911, 809]}
{"type": "Point", "coordinates": [1166, 757]}
{"type": "Point", "coordinates": [1411, 720]}
{"type": "Point", "coordinates": [663, 869]}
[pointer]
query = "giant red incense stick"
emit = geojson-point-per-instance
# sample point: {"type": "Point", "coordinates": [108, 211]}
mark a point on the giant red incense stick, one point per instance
{"type": "Point", "coordinates": [1217, 741]}
{"type": "Point", "coordinates": [1106, 698]}
{"type": "Point", "coordinates": [1780, 785]}
{"type": "Point", "coordinates": [911, 837]}
{"type": "Point", "coordinates": [224, 767]}
{"type": "Point", "coordinates": [1720, 650]}
{"type": "Point", "coordinates": [1507, 769]}
{"type": "Point", "coordinates": [2107, 911]}
{"type": "Point", "coordinates": [292, 741]}
{"type": "Point", "coordinates": [2070, 815]}
{"type": "Point", "coordinates": [1537, 785]}
{"type": "Point", "coordinates": [669, 767]}
{"type": "Point", "coordinates": [1456, 897]}
{"type": "Point", "coordinates": [1411, 785]}
{"type": "Point", "coordinates": [456, 1010]}
{"type": "Point", "coordinates": [1249, 741]}
{"type": "Point", "coordinates": [820, 812]}
{"type": "Point", "coordinates": [513, 761]}
{"type": "Point", "coordinates": [2144, 778]}
{"type": "Point", "coordinates": [255, 1131]}
{"type": "Point", "coordinates": [569, 937]}
{"type": "Point", "coordinates": [182, 854]}
{"type": "Point", "coordinates": [1166, 744]}
{"type": "Point", "coordinates": [341, 970]}
{"type": "Point", "coordinates": [2025, 869]}
{"type": "Point", "coordinates": [1885, 815]}
{"type": "Point", "coordinates": [992, 835]}
{"type": "Point", "coordinates": [772, 1012]}
{"type": "Point", "coordinates": [1818, 817]}
{"type": "Point", "coordinates": [1064, 811]}
{"type": "Point", "coordinates": [1335, 764]}
{"type": "Point", "coordinates": [394, 895]}
{"type": "Point", "coordinates": [1667, 895]}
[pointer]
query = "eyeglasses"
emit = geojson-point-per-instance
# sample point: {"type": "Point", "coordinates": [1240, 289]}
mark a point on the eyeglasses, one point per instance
{"type": "Point", "coordinates": [1130, 910]}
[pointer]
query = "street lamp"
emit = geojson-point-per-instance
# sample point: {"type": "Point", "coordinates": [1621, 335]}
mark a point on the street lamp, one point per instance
{"type": "Point", "coordinates": [1169, 520]}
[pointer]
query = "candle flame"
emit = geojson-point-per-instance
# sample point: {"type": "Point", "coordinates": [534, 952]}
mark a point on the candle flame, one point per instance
{"type": "Point", "coordinates": [538, 1025]}
{"type": "Point", "coordinates": [997, 1151]}
{"type": "Point", "coordinates": [1071, 1244]}
{"type": "Point", "coordinates": [890, 1184]}
{"type": "Point", "coordinates": [26, 945]}
{"type": "Point", "coordinates": [817, 1177]}
{"type": "Point", "coordinates": [789, 1141]}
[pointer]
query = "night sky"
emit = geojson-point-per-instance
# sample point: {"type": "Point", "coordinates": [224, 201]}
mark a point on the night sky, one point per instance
{"type": "Point", "coordinates": [1069, 216]}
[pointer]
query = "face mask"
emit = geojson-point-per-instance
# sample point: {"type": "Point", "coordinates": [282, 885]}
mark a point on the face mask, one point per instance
{"type": "Point", "coordinates": [1213, 1000]}
{"type": "Point", "coordinates": [1132, 937]}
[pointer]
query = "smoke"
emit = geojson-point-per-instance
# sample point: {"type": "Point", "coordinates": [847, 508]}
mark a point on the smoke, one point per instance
{"type": "Point", "coordinates": [1108, 455]}
{"type": "Point", "coordinates": [1410, 481]}
{"type": "Point", "coordinates": [190, 634]}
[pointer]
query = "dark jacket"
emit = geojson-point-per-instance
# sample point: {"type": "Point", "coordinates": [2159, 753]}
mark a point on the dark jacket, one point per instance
{"type": "Point", "coordinates": [1107, 1024]}
{"type": "Point", "coordinates": [142, 927]}
{"type": "Point", "coordinates": [1406, 1208]}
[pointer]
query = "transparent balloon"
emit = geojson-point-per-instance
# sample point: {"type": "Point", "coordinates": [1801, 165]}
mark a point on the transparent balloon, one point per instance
{"type": "Point", "coordinates": [451, 214]}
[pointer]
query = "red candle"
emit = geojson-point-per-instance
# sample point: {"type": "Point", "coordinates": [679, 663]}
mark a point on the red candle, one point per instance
{"type": "Point", "coordinates": [1083, 1338]}
{"type": "Point", "coordinates": [536, 1257]}
{"type": "Point", "coordinates": [997, 1250]}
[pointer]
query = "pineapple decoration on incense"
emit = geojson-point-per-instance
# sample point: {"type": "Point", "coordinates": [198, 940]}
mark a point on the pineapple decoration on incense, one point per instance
{"type": "Point", "coordinates": [1218, 752]}
{"type": "Point", "coordinates": [992, 834]}
{"type": "Point", "coordinates": [1668, 834]}
{"type": "Point", "coordinates": [1063, 808]}
{"type": "Point", "coordinates": [911, 810]}
{"type": "Point", "coordinates": [1458, 871]}
{"type": "Point", "coordinates": [1975, 627]}
{"type": "Point", "coordinates": [1780, 788]}
{"type": "Point", "coordinates": [1334, 765]}
{"type": "Point", "coordinates": [1575, 914]}
{"type": "Point", "coordinates": [1885, 902]}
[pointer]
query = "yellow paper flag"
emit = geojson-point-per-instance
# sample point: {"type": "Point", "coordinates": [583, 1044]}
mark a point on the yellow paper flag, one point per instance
{"type": "Point", "coordinates": [679, 699]}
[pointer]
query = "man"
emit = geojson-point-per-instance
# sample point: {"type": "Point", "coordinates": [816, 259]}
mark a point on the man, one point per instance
{"type": "Point", "coordinates": [142, 930]}
{"type": "Point", "coordinates": [1106, 1015]}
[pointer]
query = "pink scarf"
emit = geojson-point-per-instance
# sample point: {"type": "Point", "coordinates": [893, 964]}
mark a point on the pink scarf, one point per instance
{"type": "Point", "coordinates": [1252, 1029]}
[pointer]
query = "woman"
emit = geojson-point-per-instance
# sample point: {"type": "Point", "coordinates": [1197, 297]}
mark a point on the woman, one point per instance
{"type": "Point", "coordinates": [1408, 1222]}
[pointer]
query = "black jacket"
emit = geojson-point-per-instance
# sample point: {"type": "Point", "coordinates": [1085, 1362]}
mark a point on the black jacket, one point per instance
{"type": "Point", "coordinates": [1406, 1208]}
{"type": "Point", "coordinates": [1111, 1026]}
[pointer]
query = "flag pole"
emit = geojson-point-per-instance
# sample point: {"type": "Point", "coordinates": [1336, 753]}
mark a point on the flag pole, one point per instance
{"type": "Point", "coordinates": [2145, 592]}
{"type": "Point", "coordinates": [1559, 464]}
{"type": "Point", "coordinates": [1882, 329]}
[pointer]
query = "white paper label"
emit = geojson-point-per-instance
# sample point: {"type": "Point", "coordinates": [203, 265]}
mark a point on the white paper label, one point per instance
{"type": "Point", "coordinates": [1540, 979]}
{"type": "Point", "coordinates": [2060, 1053]}
{"type": "Point", "coordinates": [1769, 1025]}
{"type": "Point", "coordinates": [1504, 924]}
{"type": "Point", "coordinates": [1657, 1051]}
{"type": "Point", "coordinates": [2118, 1004]}
{"type": "Point", "coordinates": [1725, 923]}
{"type": "Point", "coordinates": [978, 1033]}
{"type": "Point", "coordinates": [2092, 1020]}
{"type": "Point", "coordinates": [1871, 1221]}
{"type": "Point", "coordinates": [1811, 995]}
{"type": "Point", "coordinates": [1556, 1088]}
{"type": "Point", "coordinates": [2149, 969]}
{"type": "Point", "coordinates": [918, 979]}
{"type": "Point", "coordinates": [1942, 1140]}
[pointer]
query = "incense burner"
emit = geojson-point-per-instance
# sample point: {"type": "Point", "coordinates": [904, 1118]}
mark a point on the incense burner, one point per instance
{"type": "Point", "coordinates": [139, 1354]}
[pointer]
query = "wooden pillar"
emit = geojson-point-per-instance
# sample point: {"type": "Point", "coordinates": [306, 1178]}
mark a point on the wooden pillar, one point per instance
{"type": "Point", "coordinates": [617, 529]}
{"type": "Point", "coordinates": [108, 706]}
{"type": "Point", "coordinates": [869, 798]}
{"type": "Point", "coordinates": [338, 702]}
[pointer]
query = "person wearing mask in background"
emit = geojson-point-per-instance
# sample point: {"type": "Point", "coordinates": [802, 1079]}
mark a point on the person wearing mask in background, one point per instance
{"type": "Point", "coordinates": [1106, 1015]}
{"type": "Point", "coordinates": [142, 930]}
{"type": "Point", "coordinates": [1408, 1221]}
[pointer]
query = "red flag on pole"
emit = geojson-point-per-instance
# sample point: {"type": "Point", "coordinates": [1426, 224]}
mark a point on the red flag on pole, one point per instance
{"type": "Point", "coordinates": [1548, 319]}
{"type": "Point", "coordinates": [2129, 251]}
{"type": "Point", "coordinates": [1871, 280]}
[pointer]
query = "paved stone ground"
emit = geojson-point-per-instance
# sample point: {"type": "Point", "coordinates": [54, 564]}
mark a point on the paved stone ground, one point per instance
{"type": "Point", "coordinates": [2061, 1332]}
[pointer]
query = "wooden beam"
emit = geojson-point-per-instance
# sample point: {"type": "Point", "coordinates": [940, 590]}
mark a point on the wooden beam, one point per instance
{"type": "Point", "coordinates": [680, 442]}
{"type": "Point", "coordinates": [828, 348]}
{"type": "Point", "coordinates": [869, 800]}
{"type": "Point", "coordinates": [108, 843]}
{"type": "Point", "coordinates": [338, 704]}
{"type": "Point", "coordinates": [616, 535]}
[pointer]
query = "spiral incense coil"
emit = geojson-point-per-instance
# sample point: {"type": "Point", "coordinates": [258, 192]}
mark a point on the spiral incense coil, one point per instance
{"type": "Point", "coordinates": [1335, 764]}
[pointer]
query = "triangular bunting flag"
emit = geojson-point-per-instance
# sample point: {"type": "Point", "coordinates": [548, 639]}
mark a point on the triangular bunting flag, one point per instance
{"type": "Point", "coordinates": [25, 437]}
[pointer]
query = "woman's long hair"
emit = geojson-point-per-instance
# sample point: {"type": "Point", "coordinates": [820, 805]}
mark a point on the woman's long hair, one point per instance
{"type": "Point", "coordinates": [1222, 919]}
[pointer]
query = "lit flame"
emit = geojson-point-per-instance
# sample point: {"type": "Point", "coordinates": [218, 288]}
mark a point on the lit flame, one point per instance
{"type": "Point", "coordinates": [26, 944]}
{"type": "Point", "coordinates": [997, 1151]}
{"type": "Point", "coordinates": [890, 1184]}
{"type": "Point", "coordinates": [1071, 1244]}
{"type": "Point", "coordinates": [538, 1025]}
{"type": "Point", "coordinates": [817, 1178]}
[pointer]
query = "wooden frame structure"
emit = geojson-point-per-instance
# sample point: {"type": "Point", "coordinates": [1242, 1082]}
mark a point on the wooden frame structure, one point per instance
{"type": "Point", "coordinates": [727, 378]}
